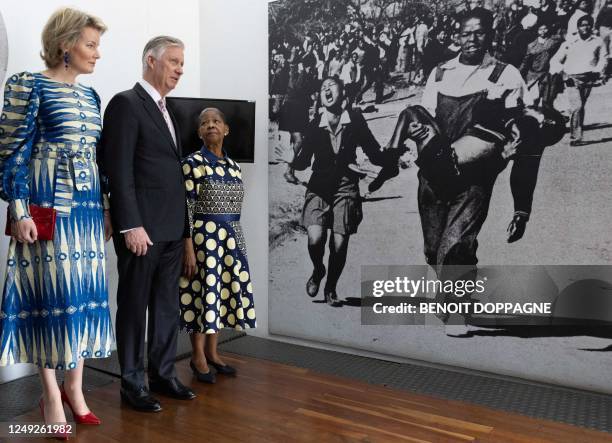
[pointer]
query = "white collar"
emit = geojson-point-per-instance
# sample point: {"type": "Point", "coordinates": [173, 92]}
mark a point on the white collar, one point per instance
{"type": "Point", "coordinates": [345, 119]}
{"type": "Point", "coordinates": [584, 40]}
{"type": "Point", "coordinates": [154, 93]}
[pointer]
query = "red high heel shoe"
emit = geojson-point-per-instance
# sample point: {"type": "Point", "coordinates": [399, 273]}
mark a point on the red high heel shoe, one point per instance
{"type": "Point", "coordinates": [87, 419]}
{"type": "Point", "coordinates": [57, 435]}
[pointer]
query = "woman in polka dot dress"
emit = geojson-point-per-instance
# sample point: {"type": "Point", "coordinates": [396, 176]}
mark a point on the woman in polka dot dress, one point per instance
{"type": "Point", "coordinates": [215, 290]}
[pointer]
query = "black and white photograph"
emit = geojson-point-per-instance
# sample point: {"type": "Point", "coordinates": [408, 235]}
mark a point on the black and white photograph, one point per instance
{"type": "Point", "coordinates": [474, 134]}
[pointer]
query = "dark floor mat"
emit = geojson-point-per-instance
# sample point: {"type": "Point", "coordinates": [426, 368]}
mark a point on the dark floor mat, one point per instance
{"type": "Point", "coordinates": [110, 365]}
{"type": "Point", "coordinates": [574, 407]}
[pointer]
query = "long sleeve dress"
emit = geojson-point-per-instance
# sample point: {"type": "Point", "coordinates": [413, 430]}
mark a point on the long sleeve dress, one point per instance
{"type": "Point", "coordinates": [220, 295]}
{"type": "Point", "coordinates": [55, 303]}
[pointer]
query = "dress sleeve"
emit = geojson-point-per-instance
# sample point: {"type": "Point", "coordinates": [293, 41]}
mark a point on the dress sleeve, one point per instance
{"type": "Point", "coordinates": [104, 185]}
{"type": "Point", "coordinates": [191, 192]}
{"type": "Point", "coordinates": [17, 133]}
{"type": "Point", "coordinates": [238, 169]}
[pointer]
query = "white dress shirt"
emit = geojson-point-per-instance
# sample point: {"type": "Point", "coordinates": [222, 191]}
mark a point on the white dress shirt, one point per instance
{"type": "Point", "coordinates": [157, 98]}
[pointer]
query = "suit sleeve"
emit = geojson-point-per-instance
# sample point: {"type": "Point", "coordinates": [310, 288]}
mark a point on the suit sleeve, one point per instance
{"type": "Point", "coordinates": [100, 161]}
{"type": "Point", "coordinates": [119, 138]}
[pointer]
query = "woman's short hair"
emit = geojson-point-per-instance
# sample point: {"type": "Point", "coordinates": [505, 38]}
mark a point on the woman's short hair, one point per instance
{"type": "Point", "coordinates": [217, 110]}
{"type": "Point", "coordinates": [156, 47]}
{"type": "Point", "coordinates": [64, 28]}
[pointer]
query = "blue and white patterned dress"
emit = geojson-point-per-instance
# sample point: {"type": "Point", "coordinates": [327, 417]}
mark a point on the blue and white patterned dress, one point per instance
{"type": "Point", "coordinates": [55, 301]}
{"type": "Point", "coordinates": [220, 295]}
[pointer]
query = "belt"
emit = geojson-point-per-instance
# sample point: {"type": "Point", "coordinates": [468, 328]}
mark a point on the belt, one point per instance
{"type": "Point", "coordinates": [72, 170]}
{"type": "Point", "coordinates": [219, 217]}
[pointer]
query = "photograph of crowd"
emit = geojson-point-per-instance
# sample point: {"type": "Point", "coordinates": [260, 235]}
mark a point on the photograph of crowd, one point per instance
{"type": "Point", "coordinates": [442, 133]}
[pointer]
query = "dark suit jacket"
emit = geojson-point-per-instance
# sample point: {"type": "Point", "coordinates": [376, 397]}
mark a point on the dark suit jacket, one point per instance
{"type": "Point", "coordinates": [141, 164]}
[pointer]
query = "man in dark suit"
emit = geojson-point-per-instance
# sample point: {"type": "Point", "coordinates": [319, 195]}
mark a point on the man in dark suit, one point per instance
{"type": "Point", "coordinates": [140, 160]}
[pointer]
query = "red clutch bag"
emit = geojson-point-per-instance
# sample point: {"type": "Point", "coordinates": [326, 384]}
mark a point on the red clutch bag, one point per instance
{"type": "Point", "coordinates": [44, 219]}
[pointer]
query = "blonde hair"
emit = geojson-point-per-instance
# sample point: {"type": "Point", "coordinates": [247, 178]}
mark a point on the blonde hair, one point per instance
{"type": "Point", "coordinates": [64, 27]}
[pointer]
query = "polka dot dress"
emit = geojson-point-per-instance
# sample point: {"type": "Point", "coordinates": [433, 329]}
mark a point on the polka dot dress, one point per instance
{"type": "Point", "coordinates": [220, 295]}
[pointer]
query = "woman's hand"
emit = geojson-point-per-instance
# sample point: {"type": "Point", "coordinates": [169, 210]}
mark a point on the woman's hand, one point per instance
{"type": "Point", "coordinates": [108, 226]}
{"type": "Point", "coordinates": [417, 131]}
{"type": "Point", "coordinates": [189, 259]}
{"type": "Point", "coordinates": [24, 231]}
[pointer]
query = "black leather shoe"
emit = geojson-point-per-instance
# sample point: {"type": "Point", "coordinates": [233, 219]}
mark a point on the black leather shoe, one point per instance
{"type": "Point", "coordinates": [223, 369]}
{"type": "Point", "coordinates": [312, 285]}
{"type": "Point", "coordinates": [331, 298]}
{"type": "Point", "coordinates": [140, 399]}
{"type": "Point", "coordinates": [172, 388]}
{"type": "Point", "coordinates": [204, 377]}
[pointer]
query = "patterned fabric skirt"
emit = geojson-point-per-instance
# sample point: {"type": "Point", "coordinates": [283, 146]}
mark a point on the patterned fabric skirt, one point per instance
{"type": "Point", "coordinates": [220, 295]}
{"type": "Point", "coordinates": [55, 300]}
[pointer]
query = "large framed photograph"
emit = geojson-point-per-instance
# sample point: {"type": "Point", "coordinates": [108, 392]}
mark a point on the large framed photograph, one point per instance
{"type": "Point", "coordinates": [402, 151]}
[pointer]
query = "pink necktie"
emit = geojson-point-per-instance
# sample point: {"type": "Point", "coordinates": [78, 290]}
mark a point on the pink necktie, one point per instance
{"type": "Point", "coordinates": [162, 107]}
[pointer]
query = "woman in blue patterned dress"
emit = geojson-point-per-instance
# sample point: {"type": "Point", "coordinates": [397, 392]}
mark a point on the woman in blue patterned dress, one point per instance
{"type": "Point", "coordinates": [216, 290]}
{"type": "Point", "coordinates": [54, 306]}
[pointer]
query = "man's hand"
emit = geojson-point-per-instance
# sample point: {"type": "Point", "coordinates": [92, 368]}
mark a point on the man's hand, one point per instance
{"type": "Point", "coordinates": [24, 231]}
{"type": "Point", "coordinates": [189, 260]}
{"type": "Point", "coordinates": [516, 228]}
{"type": "Point", "coordinates": [108, 226]}
{"type": "Point", "coordinates": [137, 241]}
{"type": "Point", "coordinates": [510, 148]}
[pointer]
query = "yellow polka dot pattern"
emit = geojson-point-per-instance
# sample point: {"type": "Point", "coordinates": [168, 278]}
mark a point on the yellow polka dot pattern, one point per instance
{"type": "Point", "coordinates": [220, 295]}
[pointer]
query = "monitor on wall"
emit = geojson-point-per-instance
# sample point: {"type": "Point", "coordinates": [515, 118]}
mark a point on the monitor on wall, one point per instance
{"type": "Point", "coordinates": [240, 114]}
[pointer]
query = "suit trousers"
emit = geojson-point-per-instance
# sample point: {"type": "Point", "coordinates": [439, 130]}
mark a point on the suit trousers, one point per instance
{"type": "Point", "coordinates": [147, 282]}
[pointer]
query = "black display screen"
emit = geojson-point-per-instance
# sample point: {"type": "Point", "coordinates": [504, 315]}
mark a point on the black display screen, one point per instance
{"type": "Point", "coordinates": [240, 114]}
